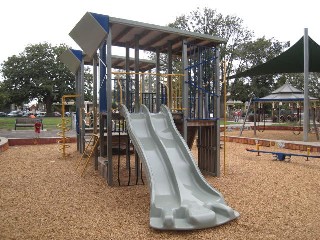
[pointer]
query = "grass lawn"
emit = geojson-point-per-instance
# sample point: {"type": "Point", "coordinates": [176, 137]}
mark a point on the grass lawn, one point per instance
{"type": "Point", "coordinates": [49, 123]}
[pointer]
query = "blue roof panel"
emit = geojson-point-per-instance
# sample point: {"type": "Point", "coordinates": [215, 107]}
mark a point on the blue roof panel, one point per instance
{"type": "Point", "coordinates": [103, 20]}
{"type": "Point", "coordinates": [77, 53]}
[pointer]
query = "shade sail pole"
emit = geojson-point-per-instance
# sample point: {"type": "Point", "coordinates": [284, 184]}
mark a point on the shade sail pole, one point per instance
{"type": "Point", "coordinates": [306, 120]}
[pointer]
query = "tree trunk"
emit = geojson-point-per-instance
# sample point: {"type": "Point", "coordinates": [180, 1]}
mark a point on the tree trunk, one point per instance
{"type": "Point", "coordinates": [48, 103]}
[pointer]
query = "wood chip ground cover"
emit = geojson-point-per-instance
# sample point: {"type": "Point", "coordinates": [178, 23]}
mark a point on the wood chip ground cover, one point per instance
{"type": "Point", "coordinates": [42, 196]}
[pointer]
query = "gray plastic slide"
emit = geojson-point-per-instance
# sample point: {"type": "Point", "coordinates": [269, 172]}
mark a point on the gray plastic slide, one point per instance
{"type": "Point", "coordinates": [180, 197]}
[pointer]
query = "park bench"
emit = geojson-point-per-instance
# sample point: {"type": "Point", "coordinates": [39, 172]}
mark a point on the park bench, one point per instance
{"type": "Point", "coordinates": [26, 122]}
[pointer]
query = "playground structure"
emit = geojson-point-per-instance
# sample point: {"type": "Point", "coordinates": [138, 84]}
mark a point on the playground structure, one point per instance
{"type": "Point", "coordinates": [191, 94]}
{"type": "Point", "coordinates": [292, 61]}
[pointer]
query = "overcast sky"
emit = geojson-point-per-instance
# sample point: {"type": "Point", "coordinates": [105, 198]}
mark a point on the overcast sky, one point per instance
{"type": "Point", "coordinates": [26, 22]}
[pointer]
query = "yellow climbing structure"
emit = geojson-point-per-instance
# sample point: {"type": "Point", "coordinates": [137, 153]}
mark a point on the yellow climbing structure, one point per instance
{"type": "Point", "coordinates": [87, 153]}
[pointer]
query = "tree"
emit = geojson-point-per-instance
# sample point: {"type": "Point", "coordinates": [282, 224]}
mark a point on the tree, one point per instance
{"type": "Point", "coordinates": [241, 51]}
{"type": "Point", "coordinates": [240, 90]}
{"type": "Point", "coordinates": [37, 73]}
{"type": "Point", "coordinates": [16, 91]}
{"type": "Point", "coordinates": [254, 53]}
{"type": "Point", "coordinates": [210, 22]}
{"type": "Point", "coordinates": [297, 80]}
{"type": "Point", "coordinates": [4, 98]}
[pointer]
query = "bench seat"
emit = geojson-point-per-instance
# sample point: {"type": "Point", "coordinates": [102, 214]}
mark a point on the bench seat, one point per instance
{"type": "Point", "coordinates": [26, 122]}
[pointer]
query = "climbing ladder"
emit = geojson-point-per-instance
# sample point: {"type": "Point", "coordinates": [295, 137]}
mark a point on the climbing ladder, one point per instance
{"type": "Point", "coordinates": [87, 153]}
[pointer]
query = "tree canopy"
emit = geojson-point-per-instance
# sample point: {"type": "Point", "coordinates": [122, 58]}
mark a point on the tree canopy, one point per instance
{"type": "Point", "coordinates": [37, 73]}
{"type": "Point", "coordinates": [241, 52]}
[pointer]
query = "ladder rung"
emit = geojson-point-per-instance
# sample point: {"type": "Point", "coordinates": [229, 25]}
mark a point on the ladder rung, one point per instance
{"type": "Point", "coordinates": [90, 148]}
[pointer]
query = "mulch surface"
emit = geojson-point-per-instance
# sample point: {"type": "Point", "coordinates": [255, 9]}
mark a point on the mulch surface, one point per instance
{"type": "Point", "coordinates": [43, 196]}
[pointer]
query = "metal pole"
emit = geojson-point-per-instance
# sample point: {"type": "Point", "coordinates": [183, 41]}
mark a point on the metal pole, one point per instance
{"type": "Point", "coordinates": [157, 80]}
{"type": "Point", "coordinates": [185, 88]}
{"type": "Point", "coordinates": [77, 80]}
{"type": "Point", "coordinates": [217, 113]}
{"type": "Point", "coordinates": [102, 96]}
{"type": "Point", "coordinates": [128, 93]}
{"type": "Point", "coordinates": [200, 81]}
{"type": "Point", "coordinates": [109, 112]}
{"type": "Point", "coordinates": [81, 121]}
{"type": "Point", "coordinates": [136, 77]}
{"type": "Point", "coordinates": [169, 97]}
{"type": "Point", "coordinates": [254, 118]}
{"type": "Point", "coordinates": [225, 115]}
{"type": "Point", "coordinates": [306, 120]}
{"type": "Point", "coordinates": [95, 105]}
{"type": "Point", "coordinates": [136, 94]}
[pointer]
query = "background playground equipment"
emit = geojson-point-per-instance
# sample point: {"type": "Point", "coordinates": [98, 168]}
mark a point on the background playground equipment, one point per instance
{"type": "Point", "coordinates": [64, 127]}
{"type": "Point", "coordinates": [281, 156]}
{"type": "Point", "coordinates": [286, 102]}
{"type": "Point", "coordinates": [192, 94]}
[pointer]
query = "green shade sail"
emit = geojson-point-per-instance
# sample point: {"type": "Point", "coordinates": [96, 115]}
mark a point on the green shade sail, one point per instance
{"type": "Point", "coordinates": [290, 61]}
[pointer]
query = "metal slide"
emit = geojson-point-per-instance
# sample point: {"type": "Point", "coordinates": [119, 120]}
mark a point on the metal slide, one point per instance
{"type": "Point", "coordinates": [180, 198]}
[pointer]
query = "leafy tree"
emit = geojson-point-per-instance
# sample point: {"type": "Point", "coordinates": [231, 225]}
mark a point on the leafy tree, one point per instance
{"type": "Point", "coordinates": [210, 22]}
{"type": "Point", "coordinates": [4, 98]}
{"type": "Point", "coordinates": [240, 90]}
{"type": "Point", "coordinates": [241, 51]}
{"type": "Point", "coordinates": [37, 73]}
{"type": "Point", "coordinates": [254, 53]}
{"type": "Point", "coordinates": [15, 90]}
{"type": "Point", "coordinates": [297, 80]}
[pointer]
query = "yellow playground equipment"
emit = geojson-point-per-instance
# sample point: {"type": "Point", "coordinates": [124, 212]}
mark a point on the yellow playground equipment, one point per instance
{"type": "Point", "coordinates": [63, 142]}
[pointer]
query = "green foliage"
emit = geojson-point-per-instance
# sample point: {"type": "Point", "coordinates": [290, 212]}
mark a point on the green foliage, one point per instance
{"type": "Point", "coordinates": [231, 28]}
{"type": "Point", "coordinates": [297, 80]}
{"type": "Point", "coordinates": [253, 53]}
{"type": "Point", "coordinates": [4, 98]}
{"type": "Point", "coordinates": [240, 90]}
{"type": "Point", "coordinates": [209, 21]}
{"type": "Point", "coordinates": [38, 73]}
{"type": "Point", "coordinates": [241, 51]}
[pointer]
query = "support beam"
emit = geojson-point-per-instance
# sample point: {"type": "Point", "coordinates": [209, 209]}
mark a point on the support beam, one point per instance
{"type": "Point", "coordinates": [136, 77]}
{"type": "Point", "coordinates": [127, 67]}
{"type": "Point", "coordinates": [102, 95]}
{"type": "Point", "coordinates": [216, 135]}
{"type": "Point", "coordinates": [200, 81]}
{"type": "Point", "coordinates": [306, 119]}
{"type": "Point", "coordinates": [77, 80]}
{"type": "Point", "coordinates": [157, 80]}
{"type": "Point", "coordinates": [95, 106]}
{"type": "Point", "coordinates": [169, 97]}
{"type": "Point", "coordinates": [82, 114]}
{"type": "Point", "coordinates": [109, 111]}
{"type": "Point", "coordinates": [185, 89]}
